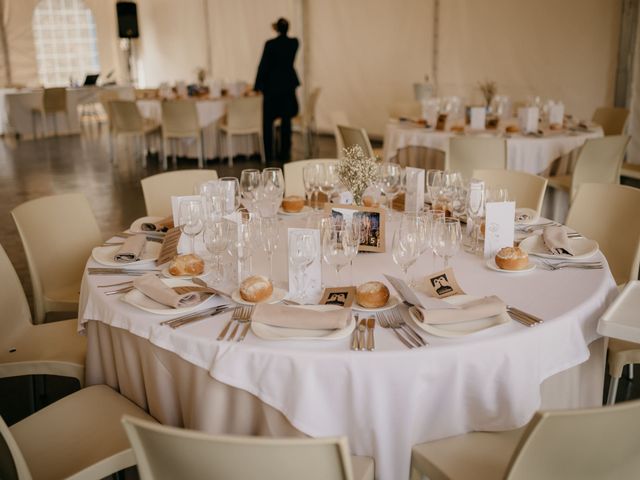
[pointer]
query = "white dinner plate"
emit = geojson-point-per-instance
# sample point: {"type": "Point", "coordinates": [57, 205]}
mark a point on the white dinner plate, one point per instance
{"type": "Point", "coordinates": [526, 216]}
{"type": "Point", "coordinates": [269, 332]}
{"type": "Point", "coordinates": [141, 301]}
{"type": "Point", "coordinates": [491, 263]}
{"type": "Point", "coordinates": [462, 328]}
{"type": "Point", "coordinates": [136, 226]}
{"type": "Point", "coordinates": [391, 303]}
{"type": "Point", "coordinates": [104, 255]}
{"type": "Point", "coordinates": [277, 296]}
{"type": "Point", "coordinates": [305, 210]}
{"type": "Point", "coordinates": [165, 273]}
{"type": "Point", "coordinates": [582, 247]}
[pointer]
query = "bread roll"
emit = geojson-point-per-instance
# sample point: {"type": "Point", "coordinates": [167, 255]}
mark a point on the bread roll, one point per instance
{"type": "Point", "coordinates": [512, 258]}
{"type": "Point", "coordinates": [292, 204]}
{"type": "Point", "coordinates": [189, 264]}
{"type": "Point", "coordinates": [256, 289]}
{"type": "Point", "coordinates": [556, 126]}
{"type": "Point", "coordinates": [372, 295]}
{"type": "Point", "coordinates": [512, 129]}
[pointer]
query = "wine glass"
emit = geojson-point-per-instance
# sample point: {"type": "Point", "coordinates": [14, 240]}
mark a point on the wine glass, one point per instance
{"type": "Point", "coordinates": [351, 239]}
{"type": "Point", "coordinates": [269, 235]}
{"type": "Point", "coordinates": [432, 180]}
{"type": "Point", "coordinates": [271, 192]}
{"type": "Point", "coordinates": [328, 180]}
{"type": "Point", "coordinates": [216, 239]}
{"type": "Point", "coordinates": [250, 182]}
{"type": "Point", "coordinates": [302, 252]}
{"type": "Point", "coordinates": [229, 189]}
{"type": "Point", "coordinates": [475, 210]}
{"type": "Point", "coordinates": [497, 194]}
{"type": "Point", "coordinates": [333, 247]}
{"type": "Point", "coordinates": [405, 248]}
{"type": "Point", "coordinates": [191, 219]}
{"type": "Point", "coordinates": [244, 247]}
{"type": "Point", "coordinates": [389, 177]}
{"type": "Point", "coordinates": [311, 179]}
{"type": "Point", "coordinates": [447, 238]}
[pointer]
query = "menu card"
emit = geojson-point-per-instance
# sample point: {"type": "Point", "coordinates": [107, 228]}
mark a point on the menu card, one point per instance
{"type": "Point", "coordinates": [556, 114]}
{"type": "Point", "coordinates": [528, 119]}
{"type": "Point", "coordinates": [478, 118]}
{"type": "Point", "coordinates": [313, 276]}
{"type": "Point", "coordinates": [499, 227]}
{"type": "Point", "coordinates": [414, 195]}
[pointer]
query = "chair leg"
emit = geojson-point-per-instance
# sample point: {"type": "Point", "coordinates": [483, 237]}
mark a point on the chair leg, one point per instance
{"type": "Point", "coordinates": [165, 152]}
{"type": "Point", "coordinates": [45, 129]}
{"type": "Point", "coordinates": [261, 146]}
{"type": "Point", "coordinates": [113, 146]}
{"type": "Point", "coordinates": [613, 389]}
{"type": "Point", "coordinates": [229, 150]}
{"type": "Point", "coordinates": [144, 150]}
{"type": "Point", "coordinates": [200, 150]}
{"type": "Point", "coordinates": [33, 125]}
{"type": "Point", "coordinates": [174, 150]}
{"type": "Point", "coordinates": [55, 124]}
{"type": "Point", "coordinates": [631, 371]}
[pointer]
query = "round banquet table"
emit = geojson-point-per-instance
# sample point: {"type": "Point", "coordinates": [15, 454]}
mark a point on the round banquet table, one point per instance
{"type": "Point", "coordinates": [384, 401]}
{"type": "Point", "coordinates": [526, 154]}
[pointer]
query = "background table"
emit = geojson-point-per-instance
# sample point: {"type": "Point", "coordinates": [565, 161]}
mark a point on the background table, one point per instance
{"type": "Point", "coordinates": [384, 401]}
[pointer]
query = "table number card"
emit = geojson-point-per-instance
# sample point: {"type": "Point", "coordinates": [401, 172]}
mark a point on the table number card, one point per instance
{"type": "Point", "coordinates": [313, 277]}
{"type": "Point", "coordinates": [414, 196]}
{"type": "Point", "coordinates": [478, 118]}
{"type": "Point", "coordinates": [556, 114]}
{"type": "Point", "coordinates": [528, 119]}
{"type": "Point", "coordinates": [499, 227]}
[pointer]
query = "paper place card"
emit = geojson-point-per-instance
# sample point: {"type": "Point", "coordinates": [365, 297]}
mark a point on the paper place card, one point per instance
{"type": "Point", "coordinates": [499, 227]}
{"type": "Point", "coordinates": [414, 194]}
{"type": "Point", "coordinates": [478, 118]}
{"type": "Point", "coordinates": [341, 296]}
{"type": "Point", "coordinates": [528, 119]}
{"type": "Point", "coordinates": [556, 114]}
{"type": "Point", "coordinates": [313, 276]}
{"type": "Point", "coordinates": [416, 298]}
{"type": "Point", "coordinates": [345, 198]}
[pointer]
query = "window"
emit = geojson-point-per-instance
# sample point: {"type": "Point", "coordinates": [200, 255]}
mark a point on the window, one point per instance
{"type": "Point", "coordinates": [66, 43]}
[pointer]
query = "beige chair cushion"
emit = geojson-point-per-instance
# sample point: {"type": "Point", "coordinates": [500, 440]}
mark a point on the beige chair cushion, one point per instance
{"type": "Point", "coordinates": [77, 432]}
{"type": "Point", "coordinates": [561, 182]}
{"type": "Point", "coordinates": [621, 353]}
{"type": "Point", "coordinates": [363, 468]}
{"type": "Point", "coordinates": [478, 455]}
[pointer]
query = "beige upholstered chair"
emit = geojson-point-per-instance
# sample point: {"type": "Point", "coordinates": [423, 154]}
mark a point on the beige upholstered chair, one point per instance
{"type": "Point", "coordinates": [350, 136]}
{"type": "Point", "coordinates": [125, 119]}
{"type": "Point", "coordinates": [611, 119]}
{"type": "Point", "coordinates": [58, 233]}
{"type": "Point", "coordinates": [609, 214]}
{"type": "Point", "coordinates": [79, 437]}
{"type": "Point", "coordinates": [588, 444]}
{"type": "Point", "coordinates": [526, 189]}
{"type": "Point", "coordinates": [599, 161]}
{"type": "Point", "coordinates": [467, 154]}
{"type": "Point", "coordinates": [179, 121]}
{"type": "Point", "coordinates": [244, 117]}
{"type": "Point", "coordinates": [293, 182]}
{"type": "Point", "coordinates": [406, 110]}
{"type": "Point", "coordinates": [339, 118]}
{"type": "Point", "coordinates": [158, 189]}
{"type": "Point", "coordinates": [53, 348]}
{"type": "Point", "coordinates": [168, 453]}
{"type": "Point", "coordinates": [54, 101]}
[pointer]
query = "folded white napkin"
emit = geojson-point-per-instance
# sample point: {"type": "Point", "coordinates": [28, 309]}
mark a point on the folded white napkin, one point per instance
{"type": "Point", "coordinates": [291, 316]}
{"type": "Point", "coordinates": [474, 310]}
{"type": "Point", "coordinates": [160, 226]}
{"type": "Point", "coordinates": [131, 249]}
{"type": "Point", "coordinates": [157, 290]}
{"type": "Point", "coordinates": [557, 241]}
{"type": "Point", "coordinates": [523, 216]}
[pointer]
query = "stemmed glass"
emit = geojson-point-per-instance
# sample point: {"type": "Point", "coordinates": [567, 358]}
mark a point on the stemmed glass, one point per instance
{"type": "Point", "coordinates": [244, 248]}
{"type": "Point", "coordinates": [351, 241]}
{"type": "Point", "coordinates": [406, 243]}
{"type": "Point", "coordinates": [447, 238]}
{"type": "Point", "coordinates": [250, 182]}
{"type": "Point", "coordinates": [229, 188]}
{"type": "Point", "coordinates": [475, 210]}
{"type": "Point", "coordinates": [497, 194]}
{"type": "Point", "coordinates": [302, 252]}
{"type": "Point", "coordinates": [271, 192]}
{"type": "Point", "coordinates": [216, 238]}
{"type": "Point", "coordinates": [389, 177]}
{"type": "Point", "coordinates": [333, 251]}
{"type": "Point", "coordinates": [433, 180]}
{"type": "Point", "coordinates": [191, 219]}
{"type": "Point", "coordinates": [328, 180]}
{"type": "Point", "coordinates": [311, 180]}
{"type": "Point", "coordinates": [269, 234]}
{"type": "Point", "coordinates": [432, 218]}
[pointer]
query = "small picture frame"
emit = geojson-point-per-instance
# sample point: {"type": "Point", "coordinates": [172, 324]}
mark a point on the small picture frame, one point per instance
{"type": "Point", "coordinates": [373, 225]}
{"type": "Point", "coordinates": [341, 296]}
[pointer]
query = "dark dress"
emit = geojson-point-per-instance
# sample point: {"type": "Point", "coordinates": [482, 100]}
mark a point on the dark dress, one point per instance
{"type": "Point", "coordinates": [277, 80]}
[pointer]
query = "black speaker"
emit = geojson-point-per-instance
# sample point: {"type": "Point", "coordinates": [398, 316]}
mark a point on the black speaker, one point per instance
{"type": "Point", "coordinates": [127, 20]}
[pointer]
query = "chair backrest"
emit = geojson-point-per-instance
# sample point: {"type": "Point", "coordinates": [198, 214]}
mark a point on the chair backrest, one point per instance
{"type": "Point", "coordinates": [16, 315]}
{"type": "Point", "coordinates": [599, 161]}
{"type": "Point", "coordinates": [351, 136]}
{"type": "Point", "coordinates": [526, 189]}
{"type": "Point", "coordinates": [589, 444]}
{"type": "Point", "coordinates": [54, 99]}
{"type": "Point", "coordinates": [58, 233]}
{"type": "Point", "coordinates": [158, 189]}
{"type": "Point", "coordinates": [609, 215]}
{"type": "Point", "coordinates": [293, 184]}
{"type": "Point", "coordinates": [339, 118]}
{"type": "Point", "coordinates": [180, 118]}
{"type": "Point", "coordinates": [467, 154]}
{"type": "Point", "coordinates": [12, 463]}
{"type": "Point", "coordinates": [611, 119]}
{"type": "Point", "coordinates": [309, 114]}
{"type": "Point", "coordinates": [245, 113]}
{"type": "Point", "coordinates": [405, 110]}
{"type": "Point", "coordinates": [165, 453]}
{"type": "Point", "coordinates": [107, 96]}
{"type": "Point", "coordinates": [125, 117]}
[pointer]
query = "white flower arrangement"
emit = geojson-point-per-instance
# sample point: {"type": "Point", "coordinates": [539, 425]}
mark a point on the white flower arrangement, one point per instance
{"type": "Point", "coordinates": [357, 171]}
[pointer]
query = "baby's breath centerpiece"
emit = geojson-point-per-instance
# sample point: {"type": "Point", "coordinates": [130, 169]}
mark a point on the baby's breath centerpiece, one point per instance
{"type": "Point", "coordinates": [357, 171]}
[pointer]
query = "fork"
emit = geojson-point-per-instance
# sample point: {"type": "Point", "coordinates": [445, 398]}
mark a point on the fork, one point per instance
{"type": "Point", "coordinates": [384, 323]}
{"type": "Point", "coordinates": [397, 319]}
{"type": "Point", "coordinates": [240, 315]}
{"type": "Point", "coordinates": [582, 265]}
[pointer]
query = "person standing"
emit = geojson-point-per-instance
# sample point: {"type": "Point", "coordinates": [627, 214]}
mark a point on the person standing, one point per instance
{"type": "Point", "coordinates": [277, 81]}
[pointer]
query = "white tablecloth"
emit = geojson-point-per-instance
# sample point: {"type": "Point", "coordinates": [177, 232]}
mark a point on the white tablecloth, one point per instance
{"type": "Point", "coordinates": [383, 401]}
{"type": "Point", "coordinates": [525, 154]}
{"type": "Point", "coordinates": [209, 113]}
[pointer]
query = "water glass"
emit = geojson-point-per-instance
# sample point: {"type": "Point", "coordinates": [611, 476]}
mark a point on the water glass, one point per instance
{"type": "Point", "coordinates": [216, 238]}
{"type": "Point", "coordinates": [250, 183]}
{"type": "Point", "coordinates": [229, 189]}
{"type": "Point", "coordinates": [333, 251]}
{"type": "Point", "coordinates": [311, 181]}
{"type": "Point", "coordinates": [269, 235]}
{"type": "Point", "coordinates": [302, 253]}
{"type": "Point", "coordinates": [447, 238]}
{"type": "Point", "coordinates": [405, 248]}
{"type": "Point", "coordinates": [191, 219]}
{"type": "Point", "coordinates": [389, 180]}
{"type": "Point", "coordinates": [475, 211]}
{"type": "Point", "coordinates": [328, 180]}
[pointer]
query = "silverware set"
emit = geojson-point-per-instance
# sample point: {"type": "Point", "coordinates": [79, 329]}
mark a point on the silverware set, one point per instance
{"type": "Point", "coordinates": [394, 320]}
{"type": "Point", "coordinates": [524, 318]}
{"type": "Point", "coordinates": [537, 226]}
{"type": "Point", "coordinates": [194, 317]}
{"type": "Point", "coordinates": [241, 317]}
{"type": "Point", "coordinates": [568, 264]}
{"type": "Point", "coordinates": [363, 335]}
{"type": "Point", "coordinates": [119, 271]}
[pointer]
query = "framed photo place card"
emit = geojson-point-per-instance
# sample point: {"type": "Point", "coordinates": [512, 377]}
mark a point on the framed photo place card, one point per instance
{"type": "Point", "coordinates": [341, 296]}
{"type": "Point", "coordinates": [372, 227]}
